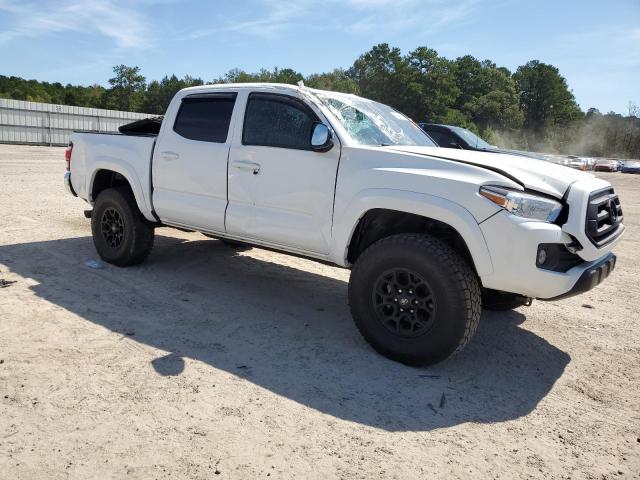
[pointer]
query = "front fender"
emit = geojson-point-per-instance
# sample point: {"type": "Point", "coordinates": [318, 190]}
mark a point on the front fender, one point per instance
{"type": "Point", "coordinates": [416, 203]}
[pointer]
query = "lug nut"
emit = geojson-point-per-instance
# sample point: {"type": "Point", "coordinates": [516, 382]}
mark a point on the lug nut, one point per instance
{"type": "Point", "coordinates": [399, 291]}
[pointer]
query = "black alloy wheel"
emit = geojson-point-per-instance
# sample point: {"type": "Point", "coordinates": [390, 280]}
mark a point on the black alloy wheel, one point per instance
{"type": "Point", "coordinates": [112, 227]}
{"type": "Point", "coordinates": [121, 234]}
{"type": "Point", "coordinates": [404, 302]}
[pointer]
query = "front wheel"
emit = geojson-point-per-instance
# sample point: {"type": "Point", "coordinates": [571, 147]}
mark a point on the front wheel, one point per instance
{"type": "Point", "coordinates": [121, 234]}
{"type": "Point", "coordinates": [414, 299]}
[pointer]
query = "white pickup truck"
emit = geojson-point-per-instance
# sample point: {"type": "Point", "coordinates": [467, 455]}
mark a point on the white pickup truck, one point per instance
{"type": "Point", "coordinates": [431, 235]}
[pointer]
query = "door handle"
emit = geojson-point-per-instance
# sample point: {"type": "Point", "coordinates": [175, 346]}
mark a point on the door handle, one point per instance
{"type": "Point", "coordinates": [246, 165]}
{"type": "Point", "coordinates": [170, 156]}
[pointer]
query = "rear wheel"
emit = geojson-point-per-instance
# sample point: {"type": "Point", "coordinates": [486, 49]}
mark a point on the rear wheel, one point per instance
{"type": "Point", "coordinates": [121, 234]}
{"type": "Point", "coordinates": [414, 298]}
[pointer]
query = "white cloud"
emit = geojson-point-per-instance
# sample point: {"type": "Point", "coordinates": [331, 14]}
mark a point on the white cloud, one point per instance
{"type": "Point", "coordinates": [125, 26]}
{"type": "Point", "coordinates": [121, 24]}
{"type": "Point", "coordinates": [277, 16]}
{"type": "Point", "coordinates": [353, 16]}
{"type": "Point", "coordinates": [369, 4]}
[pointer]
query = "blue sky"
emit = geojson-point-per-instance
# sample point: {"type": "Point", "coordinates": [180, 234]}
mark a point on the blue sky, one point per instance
{"type": "Point", "coordinates": [596, 44]}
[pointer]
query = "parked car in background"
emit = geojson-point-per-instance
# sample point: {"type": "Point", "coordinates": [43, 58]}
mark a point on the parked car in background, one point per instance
{"type": "Point", "coordinates": [606, 165]}
{"type": "Point", "coordinates": [590, 161]}
{"type": "Point", "coordinates": [449, 136]}
{"type": "Point", "coordinates": [632, 166]}
{"type": "Point", "coordinates": [578, 163]}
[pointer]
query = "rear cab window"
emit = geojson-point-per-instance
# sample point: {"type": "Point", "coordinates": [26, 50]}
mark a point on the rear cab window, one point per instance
{"type": "Point", "coordinates": [205, 117]}
{"type": "Point", "coordinates": [276, 120]}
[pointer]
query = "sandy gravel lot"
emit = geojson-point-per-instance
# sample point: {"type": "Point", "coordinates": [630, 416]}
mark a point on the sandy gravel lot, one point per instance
{"type": "Point", "coordinates": [206, 362]}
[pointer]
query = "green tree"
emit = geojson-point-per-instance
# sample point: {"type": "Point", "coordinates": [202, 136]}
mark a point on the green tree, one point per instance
{"type": "Point", "coordinates": [593, 112]}
{"type": "Point", "coordinates": [383, 74]}
{"type": "Point", "coordinates": [545, 98]}
{"type": "Point", "coordinates": [495, 110]}
{"type": "Point", "coordinates": [127, 89]}
{"type": "Point", "coordinates": [286, 75]}
{"type": "Point", "coordinates": [337, 81]}
{"type": "Point", "coordinates": [160, 93]}
{"type": "Point", "coordinates": [432, 85]}
{"type": "Point", "coordinates": [277, 75]}
{"type": "Point", "coordinates": [488, 94]}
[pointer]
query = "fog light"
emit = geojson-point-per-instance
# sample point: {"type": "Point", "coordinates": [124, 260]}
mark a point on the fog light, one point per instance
{"type": "Point", "coordinates": [542, 256]}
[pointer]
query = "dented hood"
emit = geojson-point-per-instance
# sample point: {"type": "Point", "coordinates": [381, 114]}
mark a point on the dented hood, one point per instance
{"type": "Point", "coordinates": [544, 177]}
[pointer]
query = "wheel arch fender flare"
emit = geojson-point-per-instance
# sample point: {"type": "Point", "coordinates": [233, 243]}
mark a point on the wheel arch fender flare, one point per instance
{"type": "Point", "coordinates": [425, 205]}
{"type": "Point", "coordinates": [129, 174]}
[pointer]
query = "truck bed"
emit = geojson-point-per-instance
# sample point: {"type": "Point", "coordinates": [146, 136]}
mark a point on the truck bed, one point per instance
{"type": "Point", "coordinates": [129, 155]}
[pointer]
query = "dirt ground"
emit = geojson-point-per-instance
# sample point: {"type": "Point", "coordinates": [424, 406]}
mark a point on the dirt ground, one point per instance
{"type": "Point", "coordinates": [208, 362]}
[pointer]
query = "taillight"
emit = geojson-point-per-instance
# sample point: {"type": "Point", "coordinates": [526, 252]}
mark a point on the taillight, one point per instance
{"type": "Point", "coordinates": [67, 155]}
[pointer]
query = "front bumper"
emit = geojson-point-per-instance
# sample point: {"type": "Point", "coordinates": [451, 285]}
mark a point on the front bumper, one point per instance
{"type": "Point", "coordinates": [591, 277]}
{"type": "Point", "coordinates": [68, 185]}
{"type": "Point", "coordinates": [513, 245]}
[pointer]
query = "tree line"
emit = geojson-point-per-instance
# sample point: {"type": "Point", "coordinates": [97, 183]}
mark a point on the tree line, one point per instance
{"type": "Point", "coordinates": [531, 108]}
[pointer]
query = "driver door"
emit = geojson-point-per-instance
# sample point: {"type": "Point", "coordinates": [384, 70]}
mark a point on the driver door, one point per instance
{"type": "Point", "coordinates": [280, 190]}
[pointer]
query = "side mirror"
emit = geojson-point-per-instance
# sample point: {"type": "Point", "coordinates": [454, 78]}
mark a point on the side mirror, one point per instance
{"type": "Point", "coordinates": [321, 140]}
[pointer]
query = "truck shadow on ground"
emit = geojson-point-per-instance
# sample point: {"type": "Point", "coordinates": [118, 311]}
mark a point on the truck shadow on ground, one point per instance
{"type": "Point", "coordinates": [289, 331]}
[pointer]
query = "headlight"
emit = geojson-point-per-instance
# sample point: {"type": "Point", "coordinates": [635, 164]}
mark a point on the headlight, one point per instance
{"type": "Point", "coordinates": [523, 204]}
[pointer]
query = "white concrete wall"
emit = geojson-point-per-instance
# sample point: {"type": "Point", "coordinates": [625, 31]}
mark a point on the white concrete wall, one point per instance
{"type": "Point", "coordinates": [48, 124]}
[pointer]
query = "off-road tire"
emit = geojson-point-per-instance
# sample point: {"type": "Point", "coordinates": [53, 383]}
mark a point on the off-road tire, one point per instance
{"type": "Point", "coordinates": [137, 233]}
{"type": "Point", "coordinates": [502, 301]}
{"type": "Point", "coordinates": [455, 291]}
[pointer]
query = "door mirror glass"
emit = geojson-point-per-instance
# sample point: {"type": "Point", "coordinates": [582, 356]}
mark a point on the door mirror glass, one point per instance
{"type": "Point", "coordinates": [321, 138]}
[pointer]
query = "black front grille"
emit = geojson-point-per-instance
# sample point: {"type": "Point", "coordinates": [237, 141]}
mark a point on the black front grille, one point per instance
{"type": "Point", "coordinates": [604, 217]}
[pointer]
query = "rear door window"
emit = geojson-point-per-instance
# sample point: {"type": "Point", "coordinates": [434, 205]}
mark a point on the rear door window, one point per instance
{"type": "Point", "coordinates": [205, 118]}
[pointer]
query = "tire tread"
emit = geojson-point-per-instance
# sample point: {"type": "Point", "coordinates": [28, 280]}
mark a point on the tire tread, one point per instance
{"type": "Point", "coordinates": [143, 230]}
{"type": "Point", "coordinates": [464, 274]}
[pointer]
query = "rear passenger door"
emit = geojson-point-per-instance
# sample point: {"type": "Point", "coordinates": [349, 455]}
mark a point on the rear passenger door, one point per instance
{"type": "Point", "coordinates": [280, 190]}
{"type": "Point", "coordinates": [190, 162]}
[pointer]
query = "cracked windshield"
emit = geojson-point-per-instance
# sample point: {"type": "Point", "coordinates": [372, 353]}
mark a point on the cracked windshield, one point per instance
{"type": "Point", "coordinates": [372, 123]}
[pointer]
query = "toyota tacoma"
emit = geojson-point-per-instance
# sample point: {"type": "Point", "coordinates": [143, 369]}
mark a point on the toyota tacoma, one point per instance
{"type": "Point", "coordinates": [431, 235]}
